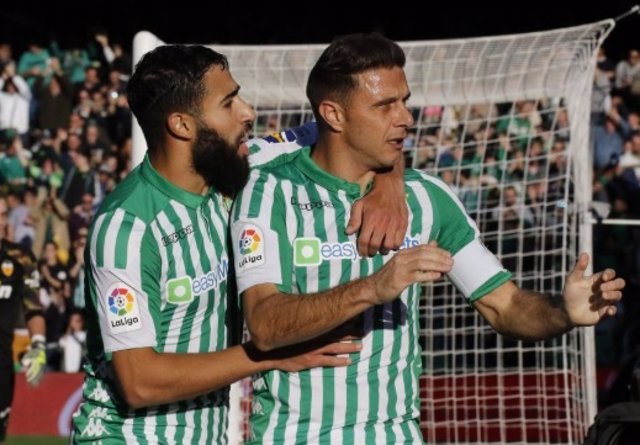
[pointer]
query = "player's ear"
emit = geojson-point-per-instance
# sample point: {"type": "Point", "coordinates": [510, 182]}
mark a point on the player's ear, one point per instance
{"type": "Point", "coordinates": [181, 126]}
{"type": "Point", "coordinates": [332, 113]}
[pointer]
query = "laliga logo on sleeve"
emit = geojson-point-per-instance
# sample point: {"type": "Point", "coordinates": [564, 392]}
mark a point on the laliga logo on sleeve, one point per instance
{"type": "Point", "coordinates": [250, 247]}
{"type": "Point", "coordinates": [123, 311]}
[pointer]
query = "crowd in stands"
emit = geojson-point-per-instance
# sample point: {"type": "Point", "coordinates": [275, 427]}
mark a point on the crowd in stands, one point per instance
{"type": "Point", "coordinates": [522, 147]}
{"type": "Point", "coordinates": [65, 142]}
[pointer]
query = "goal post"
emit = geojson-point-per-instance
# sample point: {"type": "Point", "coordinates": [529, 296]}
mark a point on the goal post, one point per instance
{"type": "Point", "coordinates": [505, 122]}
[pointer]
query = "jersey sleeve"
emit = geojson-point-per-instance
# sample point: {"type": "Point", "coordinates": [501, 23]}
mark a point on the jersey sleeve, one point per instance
{"type": "Point", "coordinates": [258, 234]}
{"type": "Point", "coordinates": [276, 148]}
{"type": "Point", "coordinates": [476, 271]}
{"type": "Point", "coordinates": [123, 279]}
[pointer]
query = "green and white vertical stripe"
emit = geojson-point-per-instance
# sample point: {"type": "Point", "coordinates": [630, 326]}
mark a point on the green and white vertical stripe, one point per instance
{"type": "Point", "coordinates": [376, 398]}
{"type": "Point", "coordinates": [139, 239]}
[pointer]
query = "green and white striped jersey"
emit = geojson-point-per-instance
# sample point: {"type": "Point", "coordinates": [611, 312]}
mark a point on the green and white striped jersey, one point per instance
{"type": "Point", "coordinates": [288, 228]}
{"type": "Point", "coordinates": [156, 276]}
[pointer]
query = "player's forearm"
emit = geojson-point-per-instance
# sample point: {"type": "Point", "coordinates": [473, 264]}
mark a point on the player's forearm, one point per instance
{"type": "Point", "coordinates": [281, 319]}
{"type": "Point", "coordinates": [534, 316]}
{"type": "Point", "coordinates": [148, 378]}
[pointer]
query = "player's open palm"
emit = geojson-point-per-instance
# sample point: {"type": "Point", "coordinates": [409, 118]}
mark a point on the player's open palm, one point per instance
{"type": "Point", "coordinates": [423, 263]}
{"type": "Point", "coordinates": [590, 298]}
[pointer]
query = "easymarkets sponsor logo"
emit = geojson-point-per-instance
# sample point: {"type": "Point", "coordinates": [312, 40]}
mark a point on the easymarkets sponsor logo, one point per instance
{"type": "Point", "coordinates": [310, 251]}
{"type": "Point", "coordinates": [183, 289]}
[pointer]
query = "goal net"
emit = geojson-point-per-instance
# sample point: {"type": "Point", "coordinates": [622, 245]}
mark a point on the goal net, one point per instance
{"type": "Point", "coordinates": [504, 121]}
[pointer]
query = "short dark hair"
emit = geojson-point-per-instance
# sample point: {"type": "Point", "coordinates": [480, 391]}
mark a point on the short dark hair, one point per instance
{"type": "Point", "coordinates": [333, 75]}
{"type": "Point", "coordinates": [169, 79]}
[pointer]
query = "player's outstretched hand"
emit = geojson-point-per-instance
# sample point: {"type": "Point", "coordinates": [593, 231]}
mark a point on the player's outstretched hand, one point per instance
{"type": "Point", "coordinates": [590, 298]}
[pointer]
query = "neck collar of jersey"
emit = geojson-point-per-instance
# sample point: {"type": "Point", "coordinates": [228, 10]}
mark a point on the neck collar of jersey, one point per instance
{"type": "Point", "coordinates": [326, 179]}
{"type": "Point", "coordinates": [173, 191]}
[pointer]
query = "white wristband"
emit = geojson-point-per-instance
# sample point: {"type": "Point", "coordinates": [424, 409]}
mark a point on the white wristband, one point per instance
{"type": "Point", "coordinates": [38, 337]}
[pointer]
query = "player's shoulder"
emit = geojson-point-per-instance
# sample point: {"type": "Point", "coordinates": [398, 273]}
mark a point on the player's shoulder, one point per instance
{"type": "Point", "coordinates": [280, 147]}
{"type": "Point", "coordinates": [436, 188]}
{"type": "Point", "coordinates": [412, 175]}
{"type": "Point", "coordinates": [301, 136]}
{"type": "Point", "coordinates": [135, 197]}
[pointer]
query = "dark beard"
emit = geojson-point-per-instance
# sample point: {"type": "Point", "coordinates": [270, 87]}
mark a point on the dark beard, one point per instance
{"type": "Point", "coordinates": [219, 163]}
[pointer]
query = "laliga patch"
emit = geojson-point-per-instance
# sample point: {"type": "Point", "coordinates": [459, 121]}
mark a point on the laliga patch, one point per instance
{"type": "Point", "coordinates": [250, 247]}
{"type": "Point", "coordinates": [123, 312]}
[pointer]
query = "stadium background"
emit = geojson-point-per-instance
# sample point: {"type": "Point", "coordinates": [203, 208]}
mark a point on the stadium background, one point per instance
{"type": "Point", "coordinates": [73, 23]}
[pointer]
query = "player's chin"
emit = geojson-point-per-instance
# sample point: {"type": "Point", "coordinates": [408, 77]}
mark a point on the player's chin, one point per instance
{"type": "Point", "coordinates": [393, 155]}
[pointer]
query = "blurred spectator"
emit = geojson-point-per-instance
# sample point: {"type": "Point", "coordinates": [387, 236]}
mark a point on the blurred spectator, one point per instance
{"type": "Point", "coordinates": [600, 97]}
{"type": "Point", "coordinates": [49, 218]}
{"type": "Point", "coordinates": [75, 62]}
{"type": "Point", "coordinates": [76, 123]}
{"type": "Point", "coordinates": [519, 126]}
{"type": "Point", "coordinates": [513, 209]}
{"type": "Point", "coordinates": [33, 63]}
{"type": "Point", "coordinates": [55, 102]}
{"type": "Point", "coordinates": [116, 83]}
{"type": "Point", "coordinates": [73, 343]}
{"type": "Point", "coordinates": [15, 96]}
{"type": "Point", "coordinates": [79, 180]}
{"type": "Point", "coordinates": [84, 106]}
{"type": "Point", "coordinates": [96, 144]}
{"type": "Point", "coordinates": [19, 219]}
{"type": "Point", "coordinates": [122, 60]}
{"type": "Point", "coordinates": [46, 172]}
{"type": "Point", "coordinates": [119, 119]}
{"type": "Point", "coordinates": [608, 139]}
{"type": "Point", "coordinates": [631, 156]}
{"type": "Point", "coordinates": [6, 56]}
{"type": "Point", "coordinates": [82, 214]}
{"type": "Point", "coordinates": [605, 65]}
{"type": "Point", "coordinates": [76, 268]}
{"type": "Point", "coordinates": [628, 79]}
{"type": "Point", "coordinates": [562, 127]}
{"type": "Point", "coordinates": [633, 119]}
{"type": "Point", "coordinates": [91, 82]}
{"type": "Point", "coordinates": [626, 70]}
{"type": "Point", "coordinates": [54, 274]}
{"type": "Point", "coordinates": [14, 162]}
{"type": "Point", "coordinates": [107, 175]}
{"type": "Point", "coordinates": [54, 292]}
{"type": "Point", "coordinates": [99, 113]}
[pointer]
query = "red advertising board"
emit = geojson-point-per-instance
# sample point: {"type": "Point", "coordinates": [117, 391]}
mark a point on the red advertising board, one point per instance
{"type": "Point", "coordinates": [47, 408]}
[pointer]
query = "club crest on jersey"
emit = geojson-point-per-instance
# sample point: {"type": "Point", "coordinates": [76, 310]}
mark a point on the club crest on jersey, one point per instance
{"type": "Point", "coordinates": [250, 247]}
{"type": "Point", "coordinates": [7, 268]}
{"type": "Point", "coordinates": [123, 313]}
